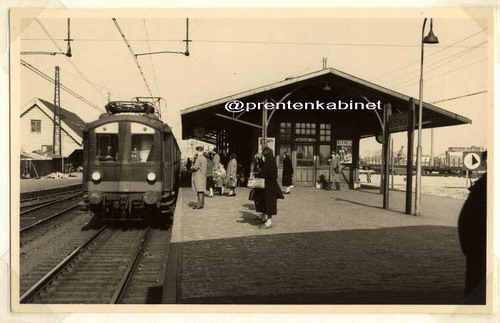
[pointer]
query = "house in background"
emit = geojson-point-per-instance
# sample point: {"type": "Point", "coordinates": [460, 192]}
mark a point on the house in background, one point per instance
{"type": "Point", "coordinates": [37, 126]}
{"type": "Point", "coordinates": [36, 139]}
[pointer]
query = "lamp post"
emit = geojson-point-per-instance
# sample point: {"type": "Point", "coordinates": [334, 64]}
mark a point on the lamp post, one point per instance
{"type": "Point", "coordinates": [429, 39]}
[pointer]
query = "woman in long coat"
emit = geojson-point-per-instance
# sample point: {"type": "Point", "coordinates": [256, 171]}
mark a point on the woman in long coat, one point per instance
{"type": "Point", "coordinates": [231, 170]}
{"type": "Point", "coordinates": [199, 177]}
{"type": "Point", "coordinates": [266, 199]}
{"type": "Point", "coordinates": [334, 176]}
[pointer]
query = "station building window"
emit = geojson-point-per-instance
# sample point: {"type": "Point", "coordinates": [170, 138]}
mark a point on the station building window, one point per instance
{"type": "Point", "coordinates": [305, 155]}
{"type": "Point", "coordinates": [325, 138]}
{"type": "Point", "coordinates": [305, 128]}
{"type": "Point", "coordinates": [107, 147]}
{"type": "Point", "coordinates": [285, 131]}
{"type": "Point", "coordinates": [324, 154]}
{"type": "Point", "coordinates": [285, 140]}
{"type": "Point", "coordinates": [325, 132]}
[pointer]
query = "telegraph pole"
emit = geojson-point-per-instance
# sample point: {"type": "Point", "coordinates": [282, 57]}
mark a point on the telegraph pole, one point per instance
{"type": "Point", "coordinates": [57, 140]}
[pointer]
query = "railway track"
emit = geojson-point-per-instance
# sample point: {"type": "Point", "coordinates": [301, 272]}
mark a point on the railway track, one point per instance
{"type": "Point", "coordinates": [46, 213]}
{"type": "Point", "coordinates": [100, 270]}
{"type": "Point", "coordinates": [31, 205]}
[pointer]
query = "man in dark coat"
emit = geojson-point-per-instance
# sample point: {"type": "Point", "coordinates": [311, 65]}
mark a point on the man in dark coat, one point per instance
{"type": "Point", "coordinates": [266, 199]}
{"type": "Point", "coordinates": [472, 234]}
{"type": "Point", "coordinates": [287, 173]}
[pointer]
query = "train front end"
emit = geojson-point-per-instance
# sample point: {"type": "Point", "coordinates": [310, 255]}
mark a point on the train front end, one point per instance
{"type": "Point", "coordinates": [130, 163]}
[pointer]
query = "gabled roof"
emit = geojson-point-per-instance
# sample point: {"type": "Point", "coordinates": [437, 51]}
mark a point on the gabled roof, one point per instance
{"type": "Point", "coordinates": [325, 72]}
{"type": "Point", "coordinates": [72, 120]}
{"type": "Point", "coordinates": [310, 88]}
{"type": "Point", "coordinates": [71, 123]}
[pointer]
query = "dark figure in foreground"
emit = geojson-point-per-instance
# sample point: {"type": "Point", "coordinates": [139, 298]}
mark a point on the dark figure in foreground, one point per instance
{"type": "Point", "coordinates": [472, 234]}
{"type": "Point", "coordinates": [287, 173]}
{"type": "Point", "coordinates": [266, 198]}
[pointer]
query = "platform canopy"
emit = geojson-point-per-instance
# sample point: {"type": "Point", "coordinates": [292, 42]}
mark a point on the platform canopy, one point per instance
{"type": "Point", "coordinates": [205, 120]}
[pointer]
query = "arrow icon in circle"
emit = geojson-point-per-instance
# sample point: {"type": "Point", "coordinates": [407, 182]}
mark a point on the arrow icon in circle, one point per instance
{"type": "Point", "coordinates": [474, 160]}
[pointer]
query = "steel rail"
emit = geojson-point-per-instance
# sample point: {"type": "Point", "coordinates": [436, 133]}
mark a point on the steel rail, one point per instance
{"type": "Point", "coordinates": [49, 200]}
{"type": "Point", "coordinates": [118, 295]}
{"type": "Point", "coordinates": [45, 280]}
{"type": "Point", "coordinates": [31, 226]}
{"type": "Point", "coordinates": [49, 203]}
{"type": "Point", "coordinates": [49, 195]}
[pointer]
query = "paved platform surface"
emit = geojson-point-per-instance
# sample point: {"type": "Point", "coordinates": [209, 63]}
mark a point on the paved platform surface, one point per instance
{"type": "Point", "coordinates": [325, 247]}
{"type": "Point", "coordinates": [31, 185]}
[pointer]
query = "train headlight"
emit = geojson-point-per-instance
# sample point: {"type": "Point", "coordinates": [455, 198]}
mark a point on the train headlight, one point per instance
{"type": "Point", "coordinates": [96, 176]}
{"type": "Point", "coordinates": [150, 197]}
{"type": "Point", "coordinates": [151, 176]}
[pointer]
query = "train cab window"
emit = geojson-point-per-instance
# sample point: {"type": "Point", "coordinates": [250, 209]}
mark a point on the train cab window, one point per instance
{"type": "Point", "coordinates": [107, 147]}
{"type": "Point", "coordinates": [142, 148]}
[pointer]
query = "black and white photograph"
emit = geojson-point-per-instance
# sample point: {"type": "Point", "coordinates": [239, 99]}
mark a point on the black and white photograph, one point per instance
{"type": "Point", "coordinates": [255, 157]}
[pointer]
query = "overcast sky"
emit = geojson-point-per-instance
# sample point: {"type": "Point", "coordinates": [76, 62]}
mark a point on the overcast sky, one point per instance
{"type": "Point", "coordinates": [229, 55]}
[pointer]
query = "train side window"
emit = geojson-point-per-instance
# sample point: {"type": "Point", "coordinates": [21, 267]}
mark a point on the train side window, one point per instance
{"type": "Point", "coordinates": [142, 148]}
{"type": "Point", "coordinates": [107, 147]}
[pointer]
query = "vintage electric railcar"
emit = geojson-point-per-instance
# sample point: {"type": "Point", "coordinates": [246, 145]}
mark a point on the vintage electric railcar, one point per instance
{"type": "Point", "coordinates": [131, 164]}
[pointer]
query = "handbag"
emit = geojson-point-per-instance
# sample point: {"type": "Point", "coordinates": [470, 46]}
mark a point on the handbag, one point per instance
{"type": "Point", "coordinates": [256, 182]}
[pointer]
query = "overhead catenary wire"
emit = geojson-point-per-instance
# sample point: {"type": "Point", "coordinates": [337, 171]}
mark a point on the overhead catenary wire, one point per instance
{"type": "Point", "coordinates": [459, 97]}
{"type": "Point", "coordinates": [433, 66]}
{"type": "Point", "coordinates": [68, 59]}
{"type": "Point", "coordinates": [65, 88]}
{"type": "Point", "coordinates": [430, 55]}
{"type": "Point", "coordinates": [444, 73]}
{"type": "Point", "coordinates": [150, 58]}
{"type": "Point", "coordinates": [101, 87]}
{"type": "Point", "coordinates": [263, 42]}
{"type": "Point", "coordinates": [133, 56]}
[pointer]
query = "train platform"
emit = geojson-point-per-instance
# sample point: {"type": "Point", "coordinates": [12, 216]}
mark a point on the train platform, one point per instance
{"type": "Point", "coordinates": [43, 186]}
{"type": "Point", "coordinates": [325, 247]}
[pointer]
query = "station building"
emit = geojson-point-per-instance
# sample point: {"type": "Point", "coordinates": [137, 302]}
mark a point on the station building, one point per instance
{"type": "Point", "coordinates": [37, 134]}
{"type": "Point", "coordinates": [309, 135]}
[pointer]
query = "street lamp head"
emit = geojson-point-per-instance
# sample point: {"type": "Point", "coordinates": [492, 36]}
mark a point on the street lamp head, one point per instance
{"type": "Point", "coordinates": [430, 38]}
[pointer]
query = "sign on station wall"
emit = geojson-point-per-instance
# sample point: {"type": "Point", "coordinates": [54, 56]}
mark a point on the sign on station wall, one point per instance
{"type": "Point", "coordinates": [344, 149]}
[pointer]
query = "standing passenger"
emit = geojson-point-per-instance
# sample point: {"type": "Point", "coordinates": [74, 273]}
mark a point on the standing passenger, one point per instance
{"type": "Point", "coordinates": [199, 179]}
{"type": "Point", "coordinates": [232, 168]}
{"type": "Point", "coordinates": [335, 171]}
{"type": "Point", "coordinates": [266, 199]}
{"type": "Point", "coordinates": [287, 172]}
